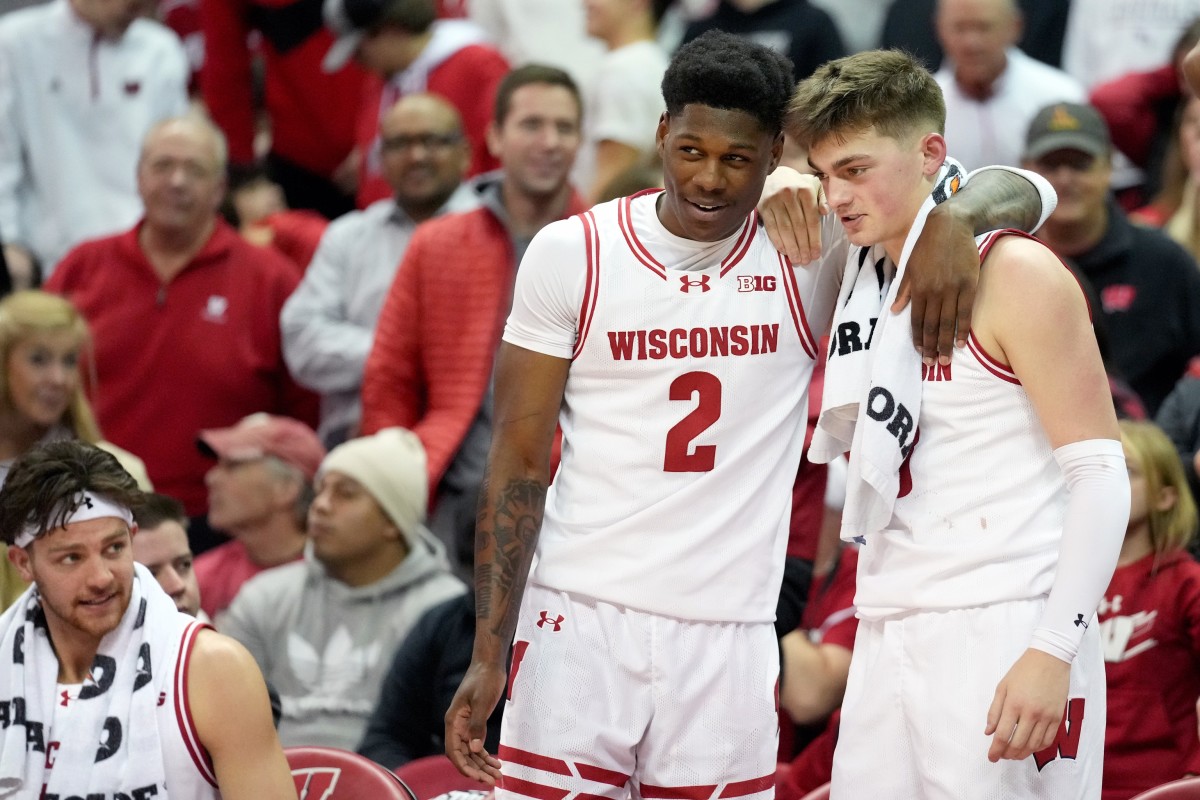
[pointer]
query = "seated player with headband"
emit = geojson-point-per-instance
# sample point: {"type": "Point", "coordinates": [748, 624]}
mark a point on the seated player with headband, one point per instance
{"type": "Point", "coordinates": [106, 690]}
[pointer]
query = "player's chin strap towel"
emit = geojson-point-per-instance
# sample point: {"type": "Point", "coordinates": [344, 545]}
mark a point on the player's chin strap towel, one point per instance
{"type": "Point", "coordinates": [872, 395]}
{"type": "Point", "coordinates": [112, 743]}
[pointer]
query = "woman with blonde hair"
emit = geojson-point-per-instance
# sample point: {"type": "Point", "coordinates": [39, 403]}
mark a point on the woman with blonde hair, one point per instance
{"type": "Point", "coordinates": [41, 390]}
{"type": "Point", "coordinates": [1150, 625]}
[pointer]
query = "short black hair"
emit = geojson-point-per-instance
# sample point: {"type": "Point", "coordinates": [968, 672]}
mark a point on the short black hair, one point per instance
{"type": "Point", "coordinates": [720, 70]}
{"type": "Point", "coordinates": [414, 16]}
{"type": "Point", "coordinates": [524, 76]}
{"type": "Point", "coordinates": [44, 486]}
{"type": "Point", "coordinates": [159, 508]}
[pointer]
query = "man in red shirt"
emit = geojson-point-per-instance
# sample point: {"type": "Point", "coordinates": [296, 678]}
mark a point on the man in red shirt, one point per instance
{"type": "Point", "coordinates": [184, 313]}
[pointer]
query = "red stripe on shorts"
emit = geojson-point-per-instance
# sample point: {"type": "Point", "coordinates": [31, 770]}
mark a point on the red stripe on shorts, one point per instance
{"type": "Point", "coordinates": [678, 792]}
{"type": "Point", "coordinates": [601, 775]}
{"type": "Point", "coordinates": [533, 761]}
{"type": "Point", "coordinates": [531, 789]}
{"type": "Point", "coordinates": [743, 788]}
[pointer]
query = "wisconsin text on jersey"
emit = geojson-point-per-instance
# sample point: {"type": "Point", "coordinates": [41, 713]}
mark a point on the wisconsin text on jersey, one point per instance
{"type": "Point", "coordinates": [717, 340]}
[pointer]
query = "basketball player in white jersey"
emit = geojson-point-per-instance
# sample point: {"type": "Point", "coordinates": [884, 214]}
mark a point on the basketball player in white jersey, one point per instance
{"type": "Point", "coordinates": [674, 345]}
{"type": "Point", "coordinates": [106, 689]}
{"type": "Point", "coordinates": [977, 669]}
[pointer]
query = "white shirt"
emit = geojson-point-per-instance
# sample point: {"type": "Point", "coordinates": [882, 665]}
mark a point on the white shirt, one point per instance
{"type": "Point", "coordinates": [74, 109]}
{"type": "Point", "coordinates": [329, 321]}
{"type": "Point", "coordinates": [623, 105]}
{"type": "Point", "coordinates": [552, 32]}
{"type": "Point", "coordinates": [993, 131]}
{"type": "Point", "coordinates": [1106, 39]}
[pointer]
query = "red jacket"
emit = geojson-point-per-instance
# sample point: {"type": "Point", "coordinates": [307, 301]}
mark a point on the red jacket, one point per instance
{"type": "Point", "coordinates": [468, 79]}
{"type": "Point", "coordinates": [201, 351]}
{"type": "Point", "coordinates": [312, 113]}
{"type": "Point", "coordinates": [439, 330]}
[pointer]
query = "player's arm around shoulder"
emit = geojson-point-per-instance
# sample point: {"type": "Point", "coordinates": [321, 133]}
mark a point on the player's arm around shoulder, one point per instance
{"type": "Point", "coordinates": [232, 716]}
{"type": "Point", "coordinates": [1032, 315]}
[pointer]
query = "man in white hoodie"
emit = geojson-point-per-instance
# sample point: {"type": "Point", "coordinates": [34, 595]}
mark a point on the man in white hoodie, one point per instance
{"type": "Point", "coordinates": [324, 629]}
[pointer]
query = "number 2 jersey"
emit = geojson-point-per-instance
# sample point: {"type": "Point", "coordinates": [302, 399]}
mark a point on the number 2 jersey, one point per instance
{"type": "Point", "coordinates": [684, 409]}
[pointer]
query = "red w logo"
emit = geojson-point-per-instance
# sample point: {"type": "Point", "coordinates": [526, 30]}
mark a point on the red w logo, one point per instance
{"type": "Point", "coordinates": [556, 622]}
{"type": "Point", "coordinates": [1066, 743]}
{"type": "Point", "coordinates": [690, 283]}
{"type": "Point", "coordinates": [316, 783]}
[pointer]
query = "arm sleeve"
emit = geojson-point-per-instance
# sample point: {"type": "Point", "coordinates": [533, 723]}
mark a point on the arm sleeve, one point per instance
{"type": "Point", "coordinates": [549, 291]}
{"type": "Point", "coordinates": [392, 385]}
{"type": "Point", "coordinates": [1094, 528]}
{"type": "Point", "coordinates": [325, 350]}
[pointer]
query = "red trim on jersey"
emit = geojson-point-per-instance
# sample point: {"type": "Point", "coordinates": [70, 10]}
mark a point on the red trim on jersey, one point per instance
{"type": "Point", "coordinates": [591, 288]}
{"type": "Point", "coordinates": [625, 221]}
{"type": "Point", "coordinates": [792, 291]}
{"type": "Point", "coordinates": [988, 362]}
{"type": "Point", "coordinates": [994, 235]}
{"type": "Point", "coordinates": [677, 792]}
{"type": "Point", "coordinates": [533, 760]}
{"type": "Point", "coordinates": [742, 246]}
{"type": "Point", "coordinates": [183, 707]}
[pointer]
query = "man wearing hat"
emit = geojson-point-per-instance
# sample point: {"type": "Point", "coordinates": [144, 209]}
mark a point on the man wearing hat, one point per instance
{"type": "Point", "coordinates": [258, 493]}
{"type": "Point", "coordinates": [1148, 287]}
{"type": "Point", "coordinates": [324, 630]}
{"type": "Point", "coordinates": [409, 51]}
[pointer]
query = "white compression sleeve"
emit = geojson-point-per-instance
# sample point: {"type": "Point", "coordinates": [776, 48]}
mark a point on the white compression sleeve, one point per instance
{"type": "Point", "coordinates": [1097, 513]}
{"type": "Point", "coordinates": [1044, 190]}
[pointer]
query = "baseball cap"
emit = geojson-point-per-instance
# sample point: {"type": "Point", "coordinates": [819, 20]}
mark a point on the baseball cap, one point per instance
{"type": "Point", "coordinates": [1067, 126]}
{"type": "Point", "coordinates": [261, 435]}
{"type": "Point", "coordinates": [348, 20]}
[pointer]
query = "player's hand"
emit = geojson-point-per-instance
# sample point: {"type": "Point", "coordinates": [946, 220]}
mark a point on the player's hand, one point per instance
{"type": "Point", "coordinates": [1028, 706]}
{"type": "Point", "coordinates": [466, 722]}
{"type": "Point", "coordinates": [940, 281]}
{"type": "Point", "coordinates": [791, 207]}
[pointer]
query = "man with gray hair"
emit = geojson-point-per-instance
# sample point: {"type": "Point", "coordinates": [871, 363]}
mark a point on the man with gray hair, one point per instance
{"type": "Point", "coordinates": [324, 630]}
{"type": "Point", "coordinates": [185, 315]}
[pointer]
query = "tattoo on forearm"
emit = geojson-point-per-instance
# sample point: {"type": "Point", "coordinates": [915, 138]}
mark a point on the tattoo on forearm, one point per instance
{"type": "Point", "coordinates": [508, 527]}
{"type": "Point", "coordinates": [1000, 199]}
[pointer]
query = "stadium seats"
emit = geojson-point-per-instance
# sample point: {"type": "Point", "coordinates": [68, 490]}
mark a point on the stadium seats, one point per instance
{"type": "Point", "coordinates": [326, 773]}
{"type": "Point", "coordinates": [434, 775]}
{"type": "Point", "coordinates": [1186, 789]}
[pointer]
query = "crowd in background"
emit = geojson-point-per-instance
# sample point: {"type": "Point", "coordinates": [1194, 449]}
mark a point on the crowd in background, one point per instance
{"type": "Point", "coordinates": [263, 251]}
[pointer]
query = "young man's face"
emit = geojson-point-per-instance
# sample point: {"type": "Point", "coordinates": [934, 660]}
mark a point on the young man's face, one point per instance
{"type": "Point", "coordinates": [875, 184]}
{"type": "Point", "coordinates": [84, 573]}
{"type": "Point", "coordinates": [346, 525]}
{"type": "Point", "coordinates": [714, 164]}
{"type": "Point", "coordinates": [537, 140]}
{"type": "Point", "coordinates": [164, 550]}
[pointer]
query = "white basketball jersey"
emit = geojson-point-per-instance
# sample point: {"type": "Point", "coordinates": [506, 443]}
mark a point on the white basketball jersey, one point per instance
{"type": "Point", "coordinates": [189, 770]}
{"type": "Point", "coordinates": [683, 418]}
{"type": "Point", "coordinates": [982, 500]}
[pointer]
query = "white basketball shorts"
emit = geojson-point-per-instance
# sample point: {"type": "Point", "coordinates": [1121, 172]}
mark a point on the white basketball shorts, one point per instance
{"type": "Point", "coordinates": [608, 702]}
{"type": "Point", "coordinates": [917, 701]}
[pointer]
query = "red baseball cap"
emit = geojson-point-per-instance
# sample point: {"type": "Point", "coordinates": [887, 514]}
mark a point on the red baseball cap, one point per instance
{"type": "Point", "coordinates": [260, 435]}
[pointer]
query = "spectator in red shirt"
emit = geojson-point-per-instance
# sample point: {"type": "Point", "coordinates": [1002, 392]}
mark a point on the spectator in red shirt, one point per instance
{"type": "Point", "coordinates": [409, 50]}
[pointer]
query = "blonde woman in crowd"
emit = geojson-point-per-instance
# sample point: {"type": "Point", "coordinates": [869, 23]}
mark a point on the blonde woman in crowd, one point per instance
{"type": "Point", "coordinates": [42, 338]}
{"type": "Point", "coordinates": [1150, 625]}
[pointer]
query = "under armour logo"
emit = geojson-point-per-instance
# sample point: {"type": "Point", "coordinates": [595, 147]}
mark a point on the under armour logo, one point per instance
{"type": "Point", "coordinates": [688, 283]}
{"type": "Point", "coordinates": [545, 620]}
{"type": "Point", "coordinates": [1079, 621]}
{"type": "Point", "coordinates": [162, 698]}
{"type": "Point", "coordinates": [87, 501]}
{"type": "Point", "coordinates": [66, 698]}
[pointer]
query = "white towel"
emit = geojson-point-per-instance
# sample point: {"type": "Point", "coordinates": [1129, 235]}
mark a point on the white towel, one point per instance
{"type": "Point", "coordinates": [872, 395]}
{"type": "Point", "coordinates": [112, 743]}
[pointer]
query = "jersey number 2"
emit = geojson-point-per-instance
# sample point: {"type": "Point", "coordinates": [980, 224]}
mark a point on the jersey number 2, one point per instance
{"type": "Point", "coordinates": [707, 388]}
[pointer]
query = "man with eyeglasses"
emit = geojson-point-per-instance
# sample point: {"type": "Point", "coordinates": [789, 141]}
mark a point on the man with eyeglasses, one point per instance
{"type": "Point", "coordinates": [1148, 286]}
{"type": "Point", "coordinates": [329, 322]}
{"type": "Point", "coordinates": [430, 368]}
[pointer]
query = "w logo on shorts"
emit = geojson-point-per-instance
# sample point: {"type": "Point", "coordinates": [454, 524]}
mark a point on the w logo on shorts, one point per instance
{"type": "Point", "coordinates": [545, 620]}
{"type": "Point", "coordinates": [1066, 743]}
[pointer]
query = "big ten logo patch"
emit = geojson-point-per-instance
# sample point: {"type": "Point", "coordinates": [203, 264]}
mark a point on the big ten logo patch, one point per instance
{"type": "Point", "coordinates": [756, 283]}
{"type": "Point", "coordinates": [316, 783]}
